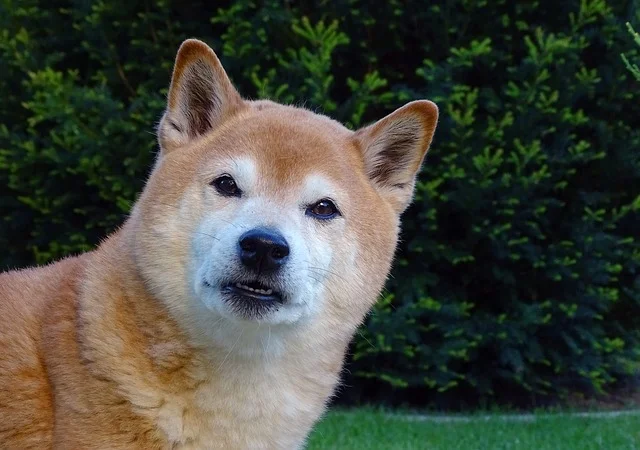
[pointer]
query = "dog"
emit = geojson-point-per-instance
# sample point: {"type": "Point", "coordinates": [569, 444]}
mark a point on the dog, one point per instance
{"type": "Point", "coordinates": [219, 314]}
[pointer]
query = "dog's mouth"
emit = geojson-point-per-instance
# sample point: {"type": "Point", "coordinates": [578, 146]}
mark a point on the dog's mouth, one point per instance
{"type": "Point", "coordinates": [253, 290]}
{"type": "Point", "coordinates": [250, 298]}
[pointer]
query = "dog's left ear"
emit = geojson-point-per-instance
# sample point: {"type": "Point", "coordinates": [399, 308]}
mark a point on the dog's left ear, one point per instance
{"type": "Point", "coordinates": [201, 96]}
{"type": "Point", "coordinates": [394, 147]}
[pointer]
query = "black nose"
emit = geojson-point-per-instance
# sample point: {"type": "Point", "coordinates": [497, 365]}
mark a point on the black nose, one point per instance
{"type": "Point", "coordinates": [263, 250]}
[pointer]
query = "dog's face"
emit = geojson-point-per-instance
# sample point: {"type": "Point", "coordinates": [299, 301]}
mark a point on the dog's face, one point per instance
{"type": "Point", "coordinates": [262, 214]}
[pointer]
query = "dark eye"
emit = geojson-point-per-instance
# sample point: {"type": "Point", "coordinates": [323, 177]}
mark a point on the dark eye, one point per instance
{"type": "Point", "coordinates": [227, 186]}
{"type": "Point", "coordinates": [324, 209]}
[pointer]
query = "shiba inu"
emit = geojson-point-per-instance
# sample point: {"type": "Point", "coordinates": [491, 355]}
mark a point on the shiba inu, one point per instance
{"type": "Point", "coordinates": [218, 315]}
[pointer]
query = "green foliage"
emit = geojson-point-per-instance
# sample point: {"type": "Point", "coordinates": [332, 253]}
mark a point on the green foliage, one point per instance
{"type": "Point", "coordinates": [635, 70]}
{"type": "Point", "coordinates": [518, 271]}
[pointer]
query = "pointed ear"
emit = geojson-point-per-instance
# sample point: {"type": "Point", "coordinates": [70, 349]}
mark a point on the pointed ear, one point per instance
{"type": "Point", "coordinates": [201, 96]}
{"type": "Point", "coordinates": [394, 147]}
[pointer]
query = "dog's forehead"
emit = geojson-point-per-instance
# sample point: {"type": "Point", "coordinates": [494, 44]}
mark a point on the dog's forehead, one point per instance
{"type": "Point", "coordinates": [289, 148]}
{"type": "Point", "coordinates": [246, 171]}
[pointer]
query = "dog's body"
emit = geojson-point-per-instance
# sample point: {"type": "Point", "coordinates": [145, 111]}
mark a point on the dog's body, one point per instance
{"type": "Point", "coordinates": [219, 314]}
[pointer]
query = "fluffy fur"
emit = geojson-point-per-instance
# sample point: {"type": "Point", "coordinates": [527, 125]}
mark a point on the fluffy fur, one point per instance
{"type": "Point", "coordinates": [132, 346]}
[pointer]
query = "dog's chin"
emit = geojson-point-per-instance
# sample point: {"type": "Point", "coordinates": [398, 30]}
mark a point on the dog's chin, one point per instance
{"type": "Point", "coordinates": [251, 300]}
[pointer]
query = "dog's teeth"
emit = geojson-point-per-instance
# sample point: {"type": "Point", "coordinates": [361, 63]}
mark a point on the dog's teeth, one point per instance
{"type": "Point", "coordinates": [244, 286]}
{"type": "Point", "coordinates": [259, 291]}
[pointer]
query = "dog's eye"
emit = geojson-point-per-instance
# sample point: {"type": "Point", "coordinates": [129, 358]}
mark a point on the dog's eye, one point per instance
{"type": "Point", "coordinates": [324, 209]}
{"type": "Point", "coordinates": [227, 186]}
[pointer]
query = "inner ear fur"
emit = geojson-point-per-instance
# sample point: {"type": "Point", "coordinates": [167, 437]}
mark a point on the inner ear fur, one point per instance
{"type": "Point", "coordinates": [394, 147]}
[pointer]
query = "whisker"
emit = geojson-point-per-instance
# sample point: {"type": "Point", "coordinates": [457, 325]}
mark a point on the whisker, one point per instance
{"type": "Point", "coordinates": [231, 223]}
{"type": "Point", "coordinates": [166, 204]}
{"type": "Point", "coordinates": [220, 319]}
{"type": "Point", "coordinates": [365, 338]}
{"type": "Point", "coordinates": [209, 235]}
{"type": "Point", "coordinates": [384, 290]}
{"type": "Point", "coordinates": [265, 348]}
{"type": "Point", "coordinates": [230, 350]}
{"type": "Point", "coordinates": [372, 312]}
{"type": "Point", "coordinates": [329, 271]}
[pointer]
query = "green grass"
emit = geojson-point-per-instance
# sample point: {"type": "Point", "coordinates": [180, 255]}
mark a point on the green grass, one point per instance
{"type": "Point", "coordinates": [372, 430]}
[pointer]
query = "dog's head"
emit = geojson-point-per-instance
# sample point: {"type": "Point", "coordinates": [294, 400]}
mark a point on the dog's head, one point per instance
{"type": "Point", "coordinates": [258, 213]}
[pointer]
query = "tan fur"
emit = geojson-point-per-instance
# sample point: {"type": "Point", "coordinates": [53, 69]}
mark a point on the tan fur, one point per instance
{"type": "Point", "coordinates": [105, 350]}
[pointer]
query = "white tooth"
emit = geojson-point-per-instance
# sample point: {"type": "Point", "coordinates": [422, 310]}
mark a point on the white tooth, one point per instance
{"type": "Point", "coordinates": [259, 291]}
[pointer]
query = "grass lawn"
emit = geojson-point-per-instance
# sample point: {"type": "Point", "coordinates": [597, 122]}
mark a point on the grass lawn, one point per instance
{"type": "Point", "coordinates": [372, 429]}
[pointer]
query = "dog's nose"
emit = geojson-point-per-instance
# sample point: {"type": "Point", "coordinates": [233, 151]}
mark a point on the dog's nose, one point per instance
{"type": "Point", "coordinates": [263, 250]}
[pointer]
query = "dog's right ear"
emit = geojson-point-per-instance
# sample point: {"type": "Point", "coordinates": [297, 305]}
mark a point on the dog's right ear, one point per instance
{"type": "Point", "coordinates": [201, 96]}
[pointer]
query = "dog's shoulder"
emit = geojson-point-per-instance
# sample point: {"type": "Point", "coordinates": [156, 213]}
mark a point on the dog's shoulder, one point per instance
{"type": "Point", "coordinates": [25, 298]}
{"type": "Point", "coordinates": [25, 293]}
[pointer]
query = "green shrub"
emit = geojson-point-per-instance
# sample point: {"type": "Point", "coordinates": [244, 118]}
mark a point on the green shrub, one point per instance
{"type": "Point", "coordinates": [518, 273]}
{"type": "Point", "coordinates": [635, 70]}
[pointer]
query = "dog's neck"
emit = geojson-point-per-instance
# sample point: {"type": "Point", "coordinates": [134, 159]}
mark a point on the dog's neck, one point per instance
{"type": "Point", "coordinates": [132, 339]}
